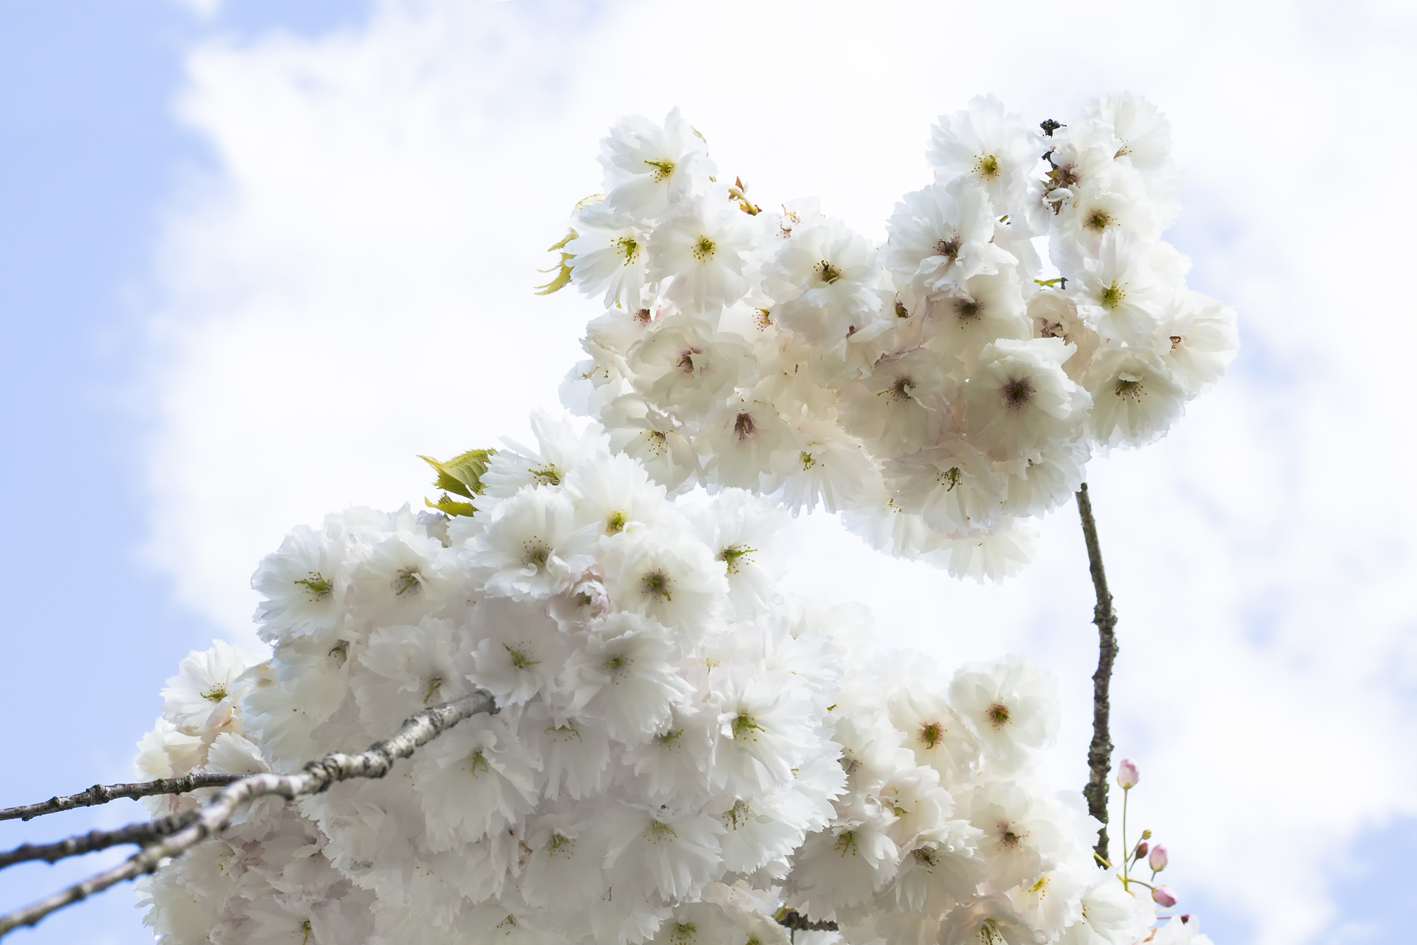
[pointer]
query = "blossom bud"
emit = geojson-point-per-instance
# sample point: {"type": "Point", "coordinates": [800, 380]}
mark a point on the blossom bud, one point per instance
{"type": "Point", "coordinates": [1140, 851]}
{"type": "Point", "coordinates": [1163, 897]}
{"type": "Point", "coordinates": [1157, 860]}
{"type": "Point", "coordinates": [1127, 774]}
{"type": "Point", "coordinates": [1146, 834]}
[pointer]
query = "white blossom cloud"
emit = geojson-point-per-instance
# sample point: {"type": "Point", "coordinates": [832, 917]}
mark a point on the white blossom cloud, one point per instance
{"type": "Point", "coordinates": [349, 286]}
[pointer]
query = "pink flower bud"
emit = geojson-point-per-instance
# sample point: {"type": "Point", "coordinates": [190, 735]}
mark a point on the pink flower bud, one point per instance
{"type": "Point", "coordinates": [1127, 774]}
{"type": "Point", "coordinates": [1140, 851]}
{"type": "Point", "coordinates": [1163, 897]}
{"type": "Point", "coordinates": [1157, 860]}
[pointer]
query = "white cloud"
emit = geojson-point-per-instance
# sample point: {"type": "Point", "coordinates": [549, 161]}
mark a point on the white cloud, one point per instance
{"type": "Point", "coordinates": [351, 288]}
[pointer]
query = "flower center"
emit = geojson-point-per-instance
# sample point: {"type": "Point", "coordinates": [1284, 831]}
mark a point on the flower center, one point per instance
{"type": "Point", "coordinates": [1129, 389]}
{"type": "Point", "coordinates": [658, 442]}
{"type": "Point", "coordinates": [988, 167]}
{"type": "Point", "coordinates": [743, 426]}
{"type": "Point", "coordinates": [1113, 295]}
{"type": "Point", "coordinates": [931, 733]}
{"type": "Point", "coordinates": [733, 557]}
{"type": "Point", "coordinates": [948, 248]}
{"type": "Point", "coordinates": [628, 247]}
{"type": "Point", "coordinates": [744, 725]}
{"type": "Point", "coordinates": [827, 272]}
{"type": "Point", "coordinates": [316, 586]}
{"type": "Point", "coordinates": [704, 249]}
{"type": "Point", "coordinates": [900, 390]}
{"type": "Point", "coordinates": [657, 583]}
{"type": "Point", "coordinates": [968, 309]}
{"type": "Point", "coordinates": [615, 524]}
{"type": "Point", "coordinates": [217, 694]}
{"type": "Point", "coordinates": [434, 684]}
{"type": "Point", "coordinates": [1018, 391]}
{"type": "Point", "coordinates": [407, 581]}
{"type": "Point", "coordinates": [1099, 221]}
{"type": "Point", "coordinates": [662, 170]}
{"type": "Point", "coordinates": [949, 478]}
{"type": "Point", "coordinates": [519, 660]}
{"type": "Point", "coordinates": [846, 843]}
{"type": "Point", "coordinates": [537, 554]}
{"type": "Point", "coordinates": [998, 714]}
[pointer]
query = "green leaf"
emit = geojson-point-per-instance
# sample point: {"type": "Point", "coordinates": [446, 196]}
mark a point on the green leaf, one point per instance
{"type": "Point", "coordinates": [462, 474]}
{"type": "Point", "coordinates": [563, 271]}
{"type": "Point", "coordinates": [450, 506]}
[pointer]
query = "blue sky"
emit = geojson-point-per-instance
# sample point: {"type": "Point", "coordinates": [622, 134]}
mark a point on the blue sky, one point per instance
{"type": "Point", "coordinates": [146, 154]}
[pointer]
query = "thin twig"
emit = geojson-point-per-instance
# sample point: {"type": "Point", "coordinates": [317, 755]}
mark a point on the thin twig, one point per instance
{"type": "Point", "coordinates": [315, 777]}
{"type": "Point", "coordinates": [797, 922]}
{"type": "Point", "coordinates": [102, 794]}
{"type": "Point", "coordinates": [95, 840]}
{"type": "Point", "coordinates": [1099, 753]}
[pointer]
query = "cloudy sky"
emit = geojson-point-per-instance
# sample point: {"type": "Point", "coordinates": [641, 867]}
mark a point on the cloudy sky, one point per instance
{"type": "Point", "coordinates": [254, 258]}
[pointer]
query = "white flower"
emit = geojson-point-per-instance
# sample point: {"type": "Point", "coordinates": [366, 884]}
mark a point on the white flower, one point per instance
{"type": "Point", "coordinates": [831, 469]}
{"type": "Point", "coordinates": [675, 762]}
{"type": "Point", "coordinates": [531, 546]}
{"type": "Point", "coordinates": [205, 693]}
{"type": "Point", "coordinates": [661, 852]}
{"type": "Point", "coordinates": [562, 872]}
{"type": "Point", "coordinates": [652, 437]}
{"type": "Point", "coordinates": [1012, 706]}
{"type": "Point", "coordinates": [704, 249]}
{"type": "Point", "coordinates": [405, 669]}
{"type": "Point", "coordinates": [472, 781]}
{"type": "Point", "coordinates": [648, 168]}
{"type": "Point", "coordinates": [614, 494]}
{"type": "Point", "coordinates": [1198, 340]}
{"type": "Point", "coordinates": [562, 445]}
{"type": "Point", "coordinates": [920, 805]}
{"type": "Point", "coordinates": [941, 869]}
{"type": "Point", "coordinates": [1051, 902]}
{"type": "Point", "coordinates": [574, 753]}
{"type": "Point", "coordinates": [989, 920]}
{"type": "Point", "coordinates": [1019, 835]}
{"type": "Point", "coordinates": [765, 728]}
{"type": "Point", "coordinates": [1019, 402]}
{"type": "Point", "coordinates": [763, 828]}
{"type": "Point", "coordinates": [940, 237]}
{"type": "Point", "coordinates": [687, 368]}
{"type": "Point", "coordinates": [623, 677]}
{"type": "Point", "coordinates": [1038, 485]}
{"type": "Point", "coordinates": [1135, 398]}
{"type": "Point", "coordinates": [996, 554]}
{"type": "Point", "coordinates": [668, 577]}
{"type": "Point", "coordinates": [740, 529]}
{"type": "Point", "coordinates": [517, 649]}
{"type": "Point", "coordinates": [903, 405]}
{"type": "Point", "coordinates": [746, 440]}
{"type": "Point", "coordinates": [823, 282]}
{"type": "Point", "coordinates": [1118, 290]}
{"type": "Point", "coordinates": [610, 255]}
{"type": "Point", "coordinates": [303, 584]}
{"type": "Point", "coordinates": [844, 865]}
{"type": "Point", "coordinates": [952, 486]}
{"type": "Point", "coordinates": [1141, 134]}
{"type": "Point", "coordinates": [987, 308]}
{"type": "Point", "coordinates": [990, 148]}
{"type": "Point", "coordinates": [1054, 315]}
{"type": "Point", "coordinates": [1109, 915]}
{"type": "Point", "coordinates": [935, 733]}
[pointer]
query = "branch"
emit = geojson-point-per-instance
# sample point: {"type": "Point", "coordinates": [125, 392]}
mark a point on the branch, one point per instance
{"type": "Point", "coordinates": [97, 840]}
{"type": "Point", "coordinates": [99, 794]}
{"type": "Point", "coordinates": [797, 922]}
{"type": "Point", "coordinates": [315, 777]}
{"type": "Point", "coordinates": [1099, 753]}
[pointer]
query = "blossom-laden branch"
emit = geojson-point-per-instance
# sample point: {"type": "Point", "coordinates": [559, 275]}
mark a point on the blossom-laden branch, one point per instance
{"type": "Point", "coordinates": [1099, 753]}
{"type": "Point", "coordinates": [102, 794]}
{"type": "Point", "coordinates": [96, 840]}
{"type": "Point", "coordinates": [316, 776]}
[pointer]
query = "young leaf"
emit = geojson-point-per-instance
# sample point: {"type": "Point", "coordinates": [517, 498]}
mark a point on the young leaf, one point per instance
{"type": "Point", "coordinates": [462, 474]}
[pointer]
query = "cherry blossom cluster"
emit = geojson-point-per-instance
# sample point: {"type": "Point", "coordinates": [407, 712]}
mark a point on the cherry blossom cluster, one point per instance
{"type": "Point", "coordinates": [680, 755]}
{"type": "Point", "coordinates": [940, 386]}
